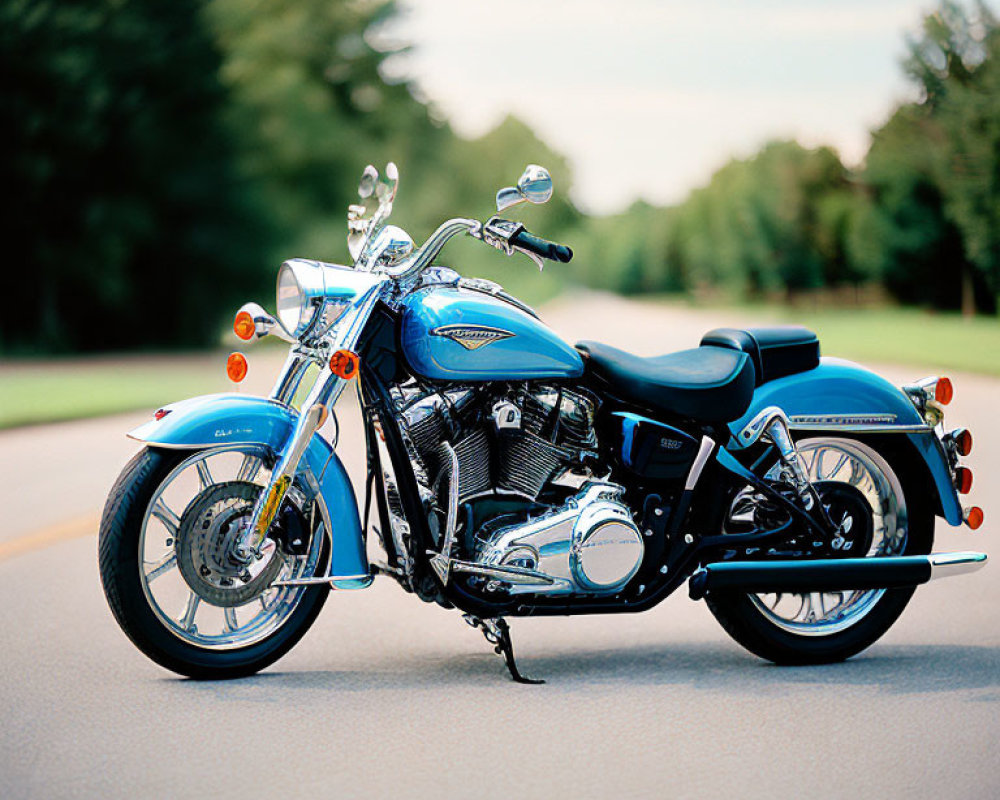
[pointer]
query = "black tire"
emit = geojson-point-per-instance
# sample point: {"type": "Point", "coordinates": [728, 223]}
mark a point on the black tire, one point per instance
{"type": "Point", "coordinates": [743, 620]}
{"type": "Point", "coordinates": [118, 554]}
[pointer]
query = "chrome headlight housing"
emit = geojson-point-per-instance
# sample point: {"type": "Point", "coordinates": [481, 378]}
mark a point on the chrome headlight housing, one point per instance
{"type": "Point", "coordinates": [312, 296]}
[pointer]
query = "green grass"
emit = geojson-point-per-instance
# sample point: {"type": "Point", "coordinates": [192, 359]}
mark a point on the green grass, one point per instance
{"type": "Point", "coordinates": [63, 389]}
{"type": "Point", "coordinates": [887, 335]}
{"type": "Point", "coordinates": [906, 336]}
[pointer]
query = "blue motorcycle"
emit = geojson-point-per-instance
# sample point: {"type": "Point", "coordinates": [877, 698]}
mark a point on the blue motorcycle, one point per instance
{"type": "Point", "coordinates": [512, 474]}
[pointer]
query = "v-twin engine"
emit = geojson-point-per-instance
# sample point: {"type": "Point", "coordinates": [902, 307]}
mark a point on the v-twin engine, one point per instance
{"type": "Point", "coordinates": [589, 545]}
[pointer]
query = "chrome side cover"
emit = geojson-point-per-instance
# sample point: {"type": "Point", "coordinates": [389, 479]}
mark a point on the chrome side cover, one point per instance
{"type": "Point", "coordinates": [588, 546]}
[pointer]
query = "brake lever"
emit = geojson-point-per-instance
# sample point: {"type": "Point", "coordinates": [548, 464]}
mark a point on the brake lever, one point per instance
{"type": "Point", "coordinates": [533, 256]}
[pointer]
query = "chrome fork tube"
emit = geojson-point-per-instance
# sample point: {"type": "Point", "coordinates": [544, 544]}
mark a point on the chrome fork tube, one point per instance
{"type": "Point", "coordinates": [290, 377]}
{"type": "Point", "coordinates": [325, 393]}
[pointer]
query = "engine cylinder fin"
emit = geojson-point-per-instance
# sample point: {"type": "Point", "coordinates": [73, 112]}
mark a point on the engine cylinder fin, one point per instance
{"type": "Point", "coordinates": [527, 462]}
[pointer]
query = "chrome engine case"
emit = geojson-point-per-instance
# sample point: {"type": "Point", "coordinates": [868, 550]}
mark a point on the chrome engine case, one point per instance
{"type": "Point", "coordinates": [589, 545]}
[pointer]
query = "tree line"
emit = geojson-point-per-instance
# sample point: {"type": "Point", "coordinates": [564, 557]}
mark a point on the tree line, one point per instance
{"type": "Point", "coordinates": [162, 157]}
{"type": "Point", "coordinates": [920, 217]}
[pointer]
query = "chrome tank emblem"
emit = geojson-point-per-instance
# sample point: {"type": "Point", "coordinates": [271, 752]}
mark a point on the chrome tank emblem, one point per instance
{"type": "Point", "coordinates": [472, 337]}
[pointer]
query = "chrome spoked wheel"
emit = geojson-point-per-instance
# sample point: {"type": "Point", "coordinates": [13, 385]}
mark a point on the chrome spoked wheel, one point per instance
{"type": "Point", "coordinates": [195, 588]}
{"type": "Point", "coordinates": [847, 462]}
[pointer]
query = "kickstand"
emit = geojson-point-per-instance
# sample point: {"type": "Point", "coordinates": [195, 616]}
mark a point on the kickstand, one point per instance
{"type": "Point", "coordinates": [497, 633]}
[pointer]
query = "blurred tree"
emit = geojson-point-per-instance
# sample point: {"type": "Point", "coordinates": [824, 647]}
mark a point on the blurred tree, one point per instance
{"type": "Point", "coordinates": [128, 221]}
{"type": "Point", "coordinates": [900, 232]}
{"type": "Point", "coordinates": [934, 170]}
{"type": "Point", "coordinates": [775, 221]}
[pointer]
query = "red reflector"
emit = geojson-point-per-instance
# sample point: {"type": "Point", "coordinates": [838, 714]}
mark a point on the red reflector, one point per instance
{"type": "Point", "coordinates": [963, 442]}
{"type": "Point", "coordinates": [236, 367]}
{"type": "Point", "coordinates": [344, 364]}
{"type": "Point", "coordinates": [974, 517]}
{"type": "Point", "coordinates": [963, 480]}
{"type": "Point", "coordinates": [943, 391]}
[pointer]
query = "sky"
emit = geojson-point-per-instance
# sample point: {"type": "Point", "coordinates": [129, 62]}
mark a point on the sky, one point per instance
{"type": "Point", "coordinates": [647, 98]}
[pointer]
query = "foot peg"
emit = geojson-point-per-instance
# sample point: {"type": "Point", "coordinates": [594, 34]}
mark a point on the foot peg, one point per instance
{"type": "Point", "coordinates": [497, 633]}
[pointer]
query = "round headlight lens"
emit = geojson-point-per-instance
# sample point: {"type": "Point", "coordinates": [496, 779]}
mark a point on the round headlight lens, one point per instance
{"type": "Point", "coordinates": [291, 302]}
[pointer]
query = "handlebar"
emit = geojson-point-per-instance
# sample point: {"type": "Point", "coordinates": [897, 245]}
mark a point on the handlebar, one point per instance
{"type": "Point", "coordinates": [541, 247]}
{"type": "Point", "coordinates": [498, 232]}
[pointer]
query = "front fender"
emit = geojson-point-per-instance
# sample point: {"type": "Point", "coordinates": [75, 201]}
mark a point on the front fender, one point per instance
{"type": "Point", "coordinates": [226, 419]}
{"type": "Point", "coordinates": [841, 396]}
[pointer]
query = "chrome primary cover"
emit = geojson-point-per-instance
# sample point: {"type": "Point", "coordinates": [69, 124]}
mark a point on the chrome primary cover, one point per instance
{"type": "Point", "coordinates": [587, 546]}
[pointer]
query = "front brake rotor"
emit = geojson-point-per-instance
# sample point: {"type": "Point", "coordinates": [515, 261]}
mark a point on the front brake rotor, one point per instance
{"type": "Point", "coordinates": [206, 540]}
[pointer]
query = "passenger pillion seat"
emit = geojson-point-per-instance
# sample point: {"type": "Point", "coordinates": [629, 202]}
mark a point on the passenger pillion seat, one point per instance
{"type": "Point", "coordinates": [708, 384]}
{"type": "Point", "coordinates": [776, 352]}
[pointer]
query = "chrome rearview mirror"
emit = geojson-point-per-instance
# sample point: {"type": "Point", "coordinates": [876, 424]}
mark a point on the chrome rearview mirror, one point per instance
{"type": "Point", "coordinates": [534, 186]}
{"type": "Point", "coordinates": [369, 179]}
{"type": "Point", "coordinates": [364, 218]}
{"type": "Point", "coordinates": [385, 191]}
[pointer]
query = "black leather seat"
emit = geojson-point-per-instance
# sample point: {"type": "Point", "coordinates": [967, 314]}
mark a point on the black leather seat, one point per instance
{"type": "Point", "coordinates": [709, 384]}
{"type": "Point", "coordinates": [776, 351]}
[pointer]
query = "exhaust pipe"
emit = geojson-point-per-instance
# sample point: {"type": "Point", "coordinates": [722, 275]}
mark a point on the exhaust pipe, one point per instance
{"type": "Point", "coordinates": [829, 574]}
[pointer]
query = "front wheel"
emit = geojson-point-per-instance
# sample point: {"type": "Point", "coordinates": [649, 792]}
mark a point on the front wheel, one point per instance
{"type": "Point", "coordinates": [167, 536]}
{"type": "Point", "coordinates": [823, 627]}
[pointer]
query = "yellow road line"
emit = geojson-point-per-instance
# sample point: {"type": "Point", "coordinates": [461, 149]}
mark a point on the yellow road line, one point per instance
{"type": "Point", "coordinates": [46, 537]}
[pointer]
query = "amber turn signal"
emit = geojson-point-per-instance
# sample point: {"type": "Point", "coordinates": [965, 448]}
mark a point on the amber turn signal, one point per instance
{"type": "Point", "coordinates": [963, 441]}
{"type": "Point", "coordinates": [943, 391]}
{"type": "Point", "coordinates": [344, 364]}
{"type": "Point", "coordinates": [974, 517]}
{"type": "Point", "coordinates": [236, 367]}
{"type": "Point", "coordinates": [244, 327]}
{"type": "Point", "coordinates": [963, 480]}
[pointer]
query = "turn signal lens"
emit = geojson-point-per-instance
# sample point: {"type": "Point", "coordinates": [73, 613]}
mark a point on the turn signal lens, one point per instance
{"type": "Point", "coordinates": [344, 364]}
{"type": "Point", "coordinates": [244, 327]}
{"type": "Point", "coordinates": [974, 517]}
{"type": "Point", "coordinates": [236, 367]}
{"type": "Point", "coordinates": [943, 391]}
{"type": "Point", "coordinates": [963, 480]}
{"type": "Point", "coordinates": [963, 441]}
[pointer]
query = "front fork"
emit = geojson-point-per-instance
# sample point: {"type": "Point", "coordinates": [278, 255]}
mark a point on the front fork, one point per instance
{"type": "Point", "coordinates": [324, 394]}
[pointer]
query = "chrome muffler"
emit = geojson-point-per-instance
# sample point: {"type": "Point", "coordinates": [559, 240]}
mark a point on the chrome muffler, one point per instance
{"type": "Point", "coordinates": [829, 574]}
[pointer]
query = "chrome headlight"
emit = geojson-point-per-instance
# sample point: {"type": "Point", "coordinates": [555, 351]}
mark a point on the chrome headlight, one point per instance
{"type": "Point", "coordinates": [312, 296]}
{"type": "Point", "coordinates": [293, 306]}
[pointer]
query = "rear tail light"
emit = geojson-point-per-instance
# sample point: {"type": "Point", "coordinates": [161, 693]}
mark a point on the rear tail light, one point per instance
{"type": "Point", "coordinates": [943, 391]}
{"type": "Point", "coordinates": [973, 517]}
{"type": "Point", "coordinates": [963, 480]}
{"type": "Point", "coordinates": [963, 441]}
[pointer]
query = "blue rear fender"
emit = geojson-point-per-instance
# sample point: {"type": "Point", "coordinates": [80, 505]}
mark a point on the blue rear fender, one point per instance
{"type": "Point", "coordinates": [220, 420]}
{"type": "Point", "coordinates": [864, 404]}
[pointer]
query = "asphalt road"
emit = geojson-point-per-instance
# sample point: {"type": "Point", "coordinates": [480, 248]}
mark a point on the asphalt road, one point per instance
{"type": "Point", "coordinates": [387, 696]}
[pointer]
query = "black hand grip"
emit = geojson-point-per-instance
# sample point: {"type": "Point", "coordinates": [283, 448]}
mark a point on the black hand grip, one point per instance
{"type": "Point", "coordinates": [542, 247]}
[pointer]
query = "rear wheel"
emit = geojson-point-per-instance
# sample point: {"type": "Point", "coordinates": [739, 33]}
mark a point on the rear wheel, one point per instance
{"type": "Point", "coordinates": [166, 549]}
{"type": "Point", "coordinates": [883, 517]}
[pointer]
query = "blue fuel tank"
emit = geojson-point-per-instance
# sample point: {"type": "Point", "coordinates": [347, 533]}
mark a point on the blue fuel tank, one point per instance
{"type": "Point", "coordinates": [455, 334]}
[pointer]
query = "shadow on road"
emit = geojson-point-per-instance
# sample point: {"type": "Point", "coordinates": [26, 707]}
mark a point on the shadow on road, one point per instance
{"type": "Point", "coordinates": [899, 670]}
